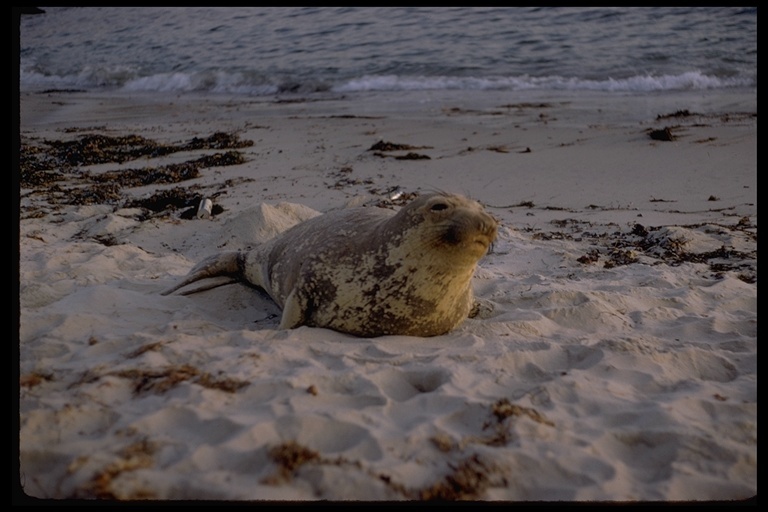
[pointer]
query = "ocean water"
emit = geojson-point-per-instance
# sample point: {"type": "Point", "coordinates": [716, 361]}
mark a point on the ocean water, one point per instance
{"type": "Point", "coordinates": [314, 50]}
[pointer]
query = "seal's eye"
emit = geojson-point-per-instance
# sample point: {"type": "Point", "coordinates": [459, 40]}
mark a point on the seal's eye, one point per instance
{"type": "Point", "coordinates": [438, 207]}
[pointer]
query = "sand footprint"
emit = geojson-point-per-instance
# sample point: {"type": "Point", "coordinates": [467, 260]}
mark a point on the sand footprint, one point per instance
{"type": "Point", "coordinates": [544, 362]}
{"type": "Point", "coordinates": [588, 312]}
{"type": "Point", "coordinates": [697, 364]}
{"type": "Point", "coordinates": [340, 389]}
{"type": "Point", "coordinates": [402, 385]}
{"type": "Point", "coordinates": [329, 436]}
{"type": "Point", "coordinates": [187, 425]}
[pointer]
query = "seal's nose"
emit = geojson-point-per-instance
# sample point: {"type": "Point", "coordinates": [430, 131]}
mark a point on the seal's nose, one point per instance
{"type": "Point", "coordinates": [488, 226]}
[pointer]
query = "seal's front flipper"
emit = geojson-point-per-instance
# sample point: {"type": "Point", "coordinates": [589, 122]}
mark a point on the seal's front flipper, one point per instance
{"type": "Point", "coordinates": [294, 311]}
{"type": "Point", "coordinates": [212, 283]}
{"type": "Point", "coordinates": [224, 264]}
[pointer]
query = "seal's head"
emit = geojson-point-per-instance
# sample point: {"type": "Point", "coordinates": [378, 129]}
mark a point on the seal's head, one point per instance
{"type": "Point", "coordinates": [453, 226]}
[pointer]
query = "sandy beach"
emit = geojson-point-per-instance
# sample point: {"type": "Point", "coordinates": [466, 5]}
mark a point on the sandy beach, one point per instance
{"type": "Point", "coordinates": [614, 357]}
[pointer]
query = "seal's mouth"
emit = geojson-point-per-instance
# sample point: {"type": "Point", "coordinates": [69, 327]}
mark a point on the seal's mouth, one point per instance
{"type": "Point", "coordinates": [482, 241]}
{"type": "Point", "coordinates": [486, 236]}
{"type": "Point", "coordinates": [455, 237]}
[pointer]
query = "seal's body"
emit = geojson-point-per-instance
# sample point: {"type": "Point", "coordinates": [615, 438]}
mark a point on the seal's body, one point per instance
{"type": "Point", "coordinates": [370, 271]}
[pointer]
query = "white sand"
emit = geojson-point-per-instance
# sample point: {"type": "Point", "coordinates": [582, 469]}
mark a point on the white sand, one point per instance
{"type": "Point", "coordinates": [609, 363]}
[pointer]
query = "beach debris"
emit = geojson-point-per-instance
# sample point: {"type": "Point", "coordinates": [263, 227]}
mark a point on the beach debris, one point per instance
{"type": "Point", "coordinates": [177, 197]}
{"type": "Point", "coordinates": [620, 257]}
{"type": "Point", "coordinates": [100, 193]}
{"type": "Point", "coordinates": [410, 156]}
{"type": "Point", "coordinates": [344, 179]}
{"type": "Point", "coordinates": [174, 198]}
{"type": "Point", "coordinates": [443, 442]}
{"type": "Point", "coordinates": [678, 113]}
{"type": "Point", "coordinates": [41, 164]}
{"type": "Point", "coordinates": [664, 134]}
{"type": "Point", "coordinates": [523, 105]}
{"type": "Point", "coordinates": [204, 209]}
{"type": "Point", "coordinates": [523, 204]}
{"type": "Point", "coordinates": [675, 245]}
{"type": "Point", "coordinates": [164, 379]}
{"type": "Point", "coordinates": [33, 379]}
{"type": "Point", "coordinates": [591, 257]}
{"type": "Point", "coordinates": [393, 196]}
{"type": "Point", "coordinates": [391, 146]}
{"type": "Point", "coordinates": [407, 156]}
{"type": "Point", "coordinates": [381, 148]}
{"type": "Point", "coordinates": [92, 149]}
{"type": "Point", "coordinates": [503, 409]}
{"type": "Point", "coordinates": [289, 456]}
{"type": "Point", "coordinates": [172, 173]}
{"type": "Point", "coordinates": [467, 480]}
{"type": "Point", "coordinates": [639, 230]}
{"type": "Point", "coordinates": [138, 455]}
{"type": "Point", "coordinates": [696, 118]}
{"type": "Point", "coordinates": [37, 166]}
{"type": "Point", "coordinates": [495, 148]}
{"type": "Point", "coordinates": [44, 167]}
{"type": "Point", "coordinates": [396, 194]}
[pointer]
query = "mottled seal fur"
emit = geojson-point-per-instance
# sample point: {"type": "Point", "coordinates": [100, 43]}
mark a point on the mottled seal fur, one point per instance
{"type": "Point", "coordinates": [369, 271]}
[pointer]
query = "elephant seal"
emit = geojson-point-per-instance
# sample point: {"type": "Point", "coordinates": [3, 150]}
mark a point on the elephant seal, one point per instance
{"type": "Point", "coordinates": [369, 271]}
